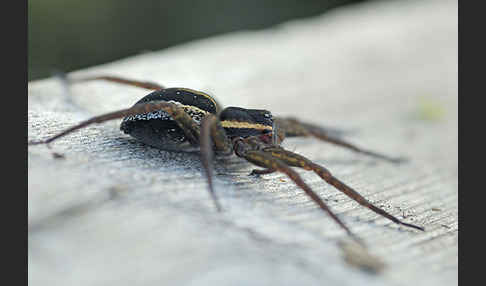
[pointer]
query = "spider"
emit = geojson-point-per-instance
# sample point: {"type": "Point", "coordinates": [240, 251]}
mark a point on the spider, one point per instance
{"type": "Point", "coordinates": [182, 119]}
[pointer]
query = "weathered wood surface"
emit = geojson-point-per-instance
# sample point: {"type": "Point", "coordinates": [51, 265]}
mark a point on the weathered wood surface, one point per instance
{"type": "Point", "coordinates": [115, 212]}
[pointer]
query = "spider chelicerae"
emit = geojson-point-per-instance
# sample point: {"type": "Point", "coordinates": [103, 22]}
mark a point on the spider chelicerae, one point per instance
{"type": "Point", "coordinates": [182, 119]}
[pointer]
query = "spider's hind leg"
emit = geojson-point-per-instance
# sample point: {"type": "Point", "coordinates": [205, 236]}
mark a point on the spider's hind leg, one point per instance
{"type": "Point", "coordinates": [297, 160]}
{"type": "Point", "coordinates": [121, 80]}
{"type": "Point", "coordinates": [189, 127]}
{"type": "Point", "coordinates": [295, 128]}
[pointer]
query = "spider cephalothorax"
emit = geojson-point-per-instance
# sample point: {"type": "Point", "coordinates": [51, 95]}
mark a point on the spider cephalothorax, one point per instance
{"type": "Point", "coordinates": [184, 119]}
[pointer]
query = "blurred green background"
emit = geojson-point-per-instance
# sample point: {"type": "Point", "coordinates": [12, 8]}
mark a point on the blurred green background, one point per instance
{"type": "Point", "coordinates": [65, 35]}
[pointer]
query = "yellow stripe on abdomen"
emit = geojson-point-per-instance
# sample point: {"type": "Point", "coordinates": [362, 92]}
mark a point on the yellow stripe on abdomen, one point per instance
{"type": "Point", "coordinates": [201, 94]}
{"type": "Point", "coordinates": [248, 125]}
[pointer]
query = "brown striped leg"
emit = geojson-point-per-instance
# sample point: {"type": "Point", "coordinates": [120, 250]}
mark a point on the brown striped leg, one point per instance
{"type": "Point", "coordinates": [297, 160]}
{"type": "Point", "coordinates": [212, 137]}
{"type": "Point", "coordinates": [142, 84]}
{"type": "Point", "coordinates": [190, 128]}
{"type": "Point", "coordinates": [266, 160]}
{"type": "Point", "coordinates": [295, 128]}
{"type": "Point", "coordinates": [126, 81]}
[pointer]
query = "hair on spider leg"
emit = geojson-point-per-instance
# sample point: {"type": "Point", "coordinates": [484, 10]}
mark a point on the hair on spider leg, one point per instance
{"type": "Point", "coordinates": [178, 116]}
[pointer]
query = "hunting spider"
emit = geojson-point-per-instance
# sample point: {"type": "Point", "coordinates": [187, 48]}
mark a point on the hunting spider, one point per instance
{"type": "Point", "coordinates": [180, 119]}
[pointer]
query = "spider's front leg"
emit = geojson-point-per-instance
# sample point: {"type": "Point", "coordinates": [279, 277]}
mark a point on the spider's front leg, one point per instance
{"type": "Point", "coordinates": [297, 160]}
{"type": "Point", "coordinates": [250, 150]}
{"type": "Point", "coordinates": [292, 127]}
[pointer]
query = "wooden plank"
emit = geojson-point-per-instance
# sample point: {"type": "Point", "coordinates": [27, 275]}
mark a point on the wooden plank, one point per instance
{"type": "Point", "coordinates": [114, 211]}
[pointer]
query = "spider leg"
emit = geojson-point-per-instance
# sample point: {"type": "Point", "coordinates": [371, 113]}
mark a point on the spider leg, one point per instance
{"type": "Point", "coordinates": [266, 160]}
{"type": "Point", "coordinates": [122, 80]}
{"type": "Point", "coordinates": [297, 160]}
{"type": "Point", "coordinates": [185, 122]}
{"type": "Point", "coordinates": [295, 128]}
{"type": "Point", "coordinates": [212, 136]}
{"type": "Point", "coordinates": [142, 84]}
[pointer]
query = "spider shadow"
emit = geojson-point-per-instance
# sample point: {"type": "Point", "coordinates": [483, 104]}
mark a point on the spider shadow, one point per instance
{"type": "Point", "coordinates": [130, 149]}
{"type": "Point", "coordinates": [229, 170]}
{"type": "Point", "coordinates": [225, 168]}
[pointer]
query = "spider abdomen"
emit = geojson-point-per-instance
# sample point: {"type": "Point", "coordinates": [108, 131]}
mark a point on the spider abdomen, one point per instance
{"type": "Point", "coordinates": [157, 128]}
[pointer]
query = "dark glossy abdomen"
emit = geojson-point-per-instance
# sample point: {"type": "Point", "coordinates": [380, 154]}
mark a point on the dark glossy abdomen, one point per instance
{"type": "Point", "coordinates": [159, 133]}
{"type": "Point", "coordinates": [157, 129]}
